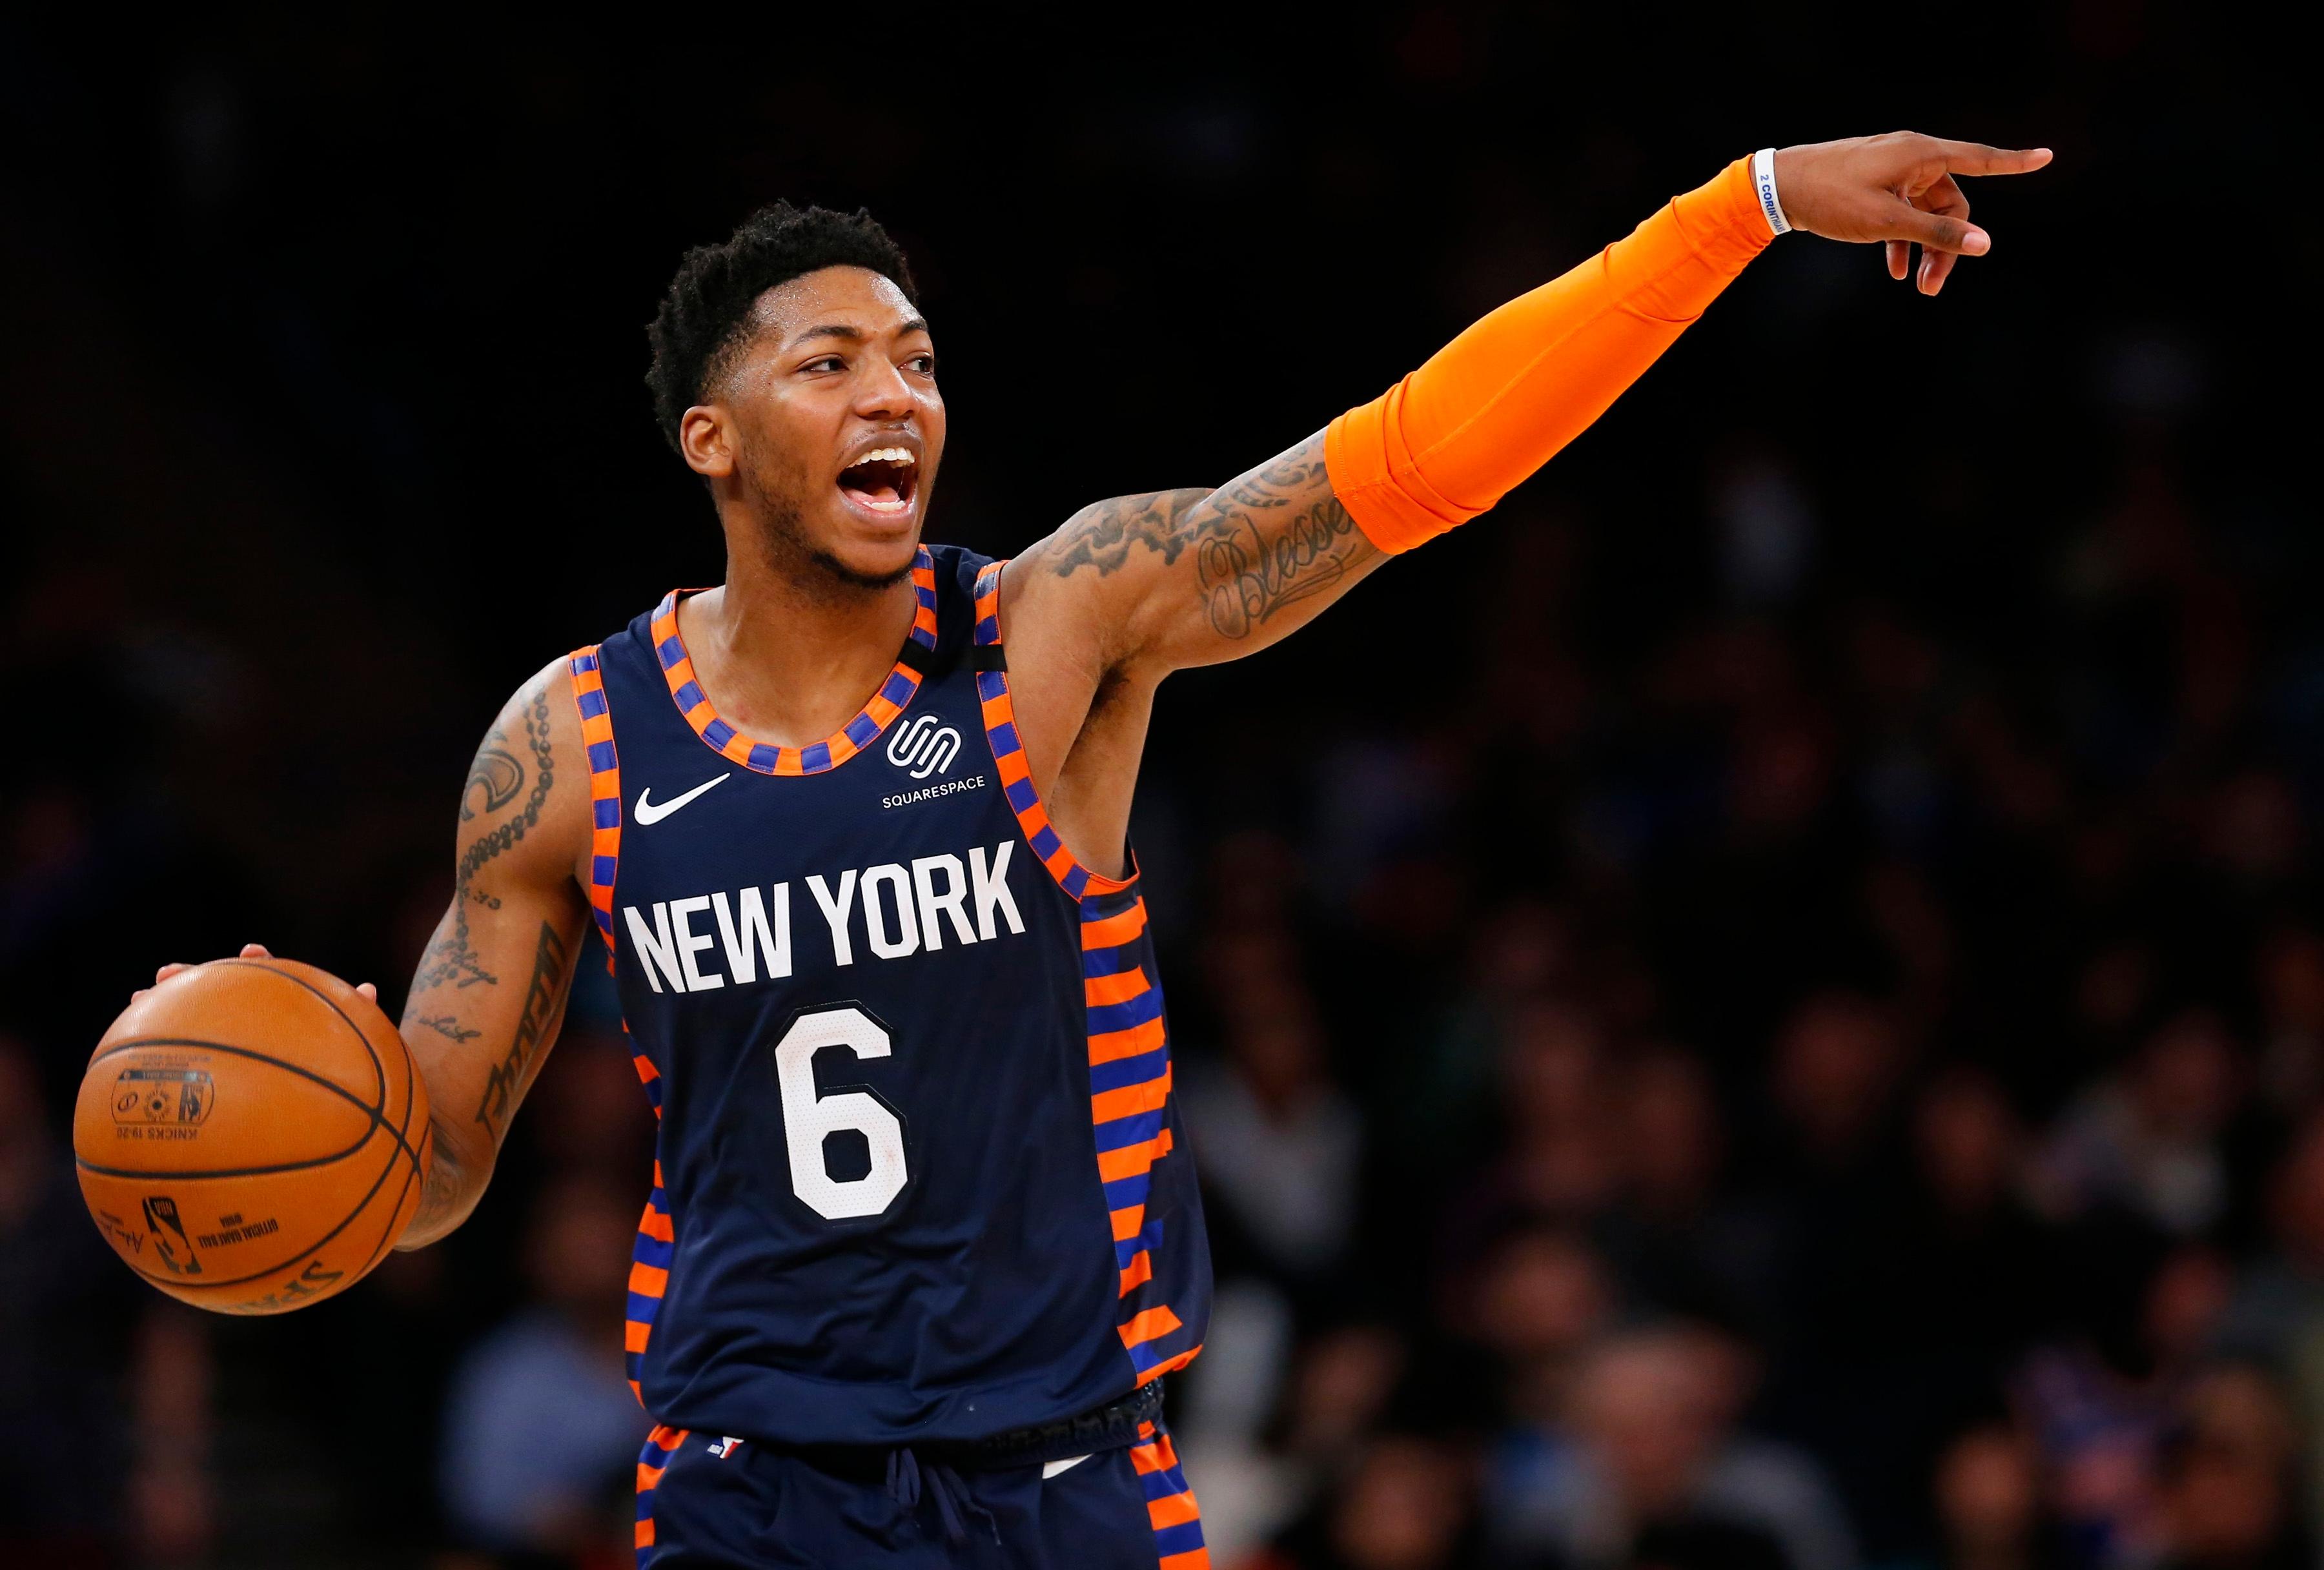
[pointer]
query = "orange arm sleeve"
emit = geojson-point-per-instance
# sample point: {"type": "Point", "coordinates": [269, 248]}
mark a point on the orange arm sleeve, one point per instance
{"type": "Point", "coordinates": [1496, 402]}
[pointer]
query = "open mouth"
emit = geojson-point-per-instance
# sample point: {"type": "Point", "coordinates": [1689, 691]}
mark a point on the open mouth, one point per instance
{"type": "Point", "coordinates": [882, 480]}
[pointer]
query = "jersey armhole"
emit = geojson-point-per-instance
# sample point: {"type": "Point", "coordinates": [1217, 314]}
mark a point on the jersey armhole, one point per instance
{"type": "Point", "coordinates": [605, 788]}
{"type": "Point", "coordinates": [1009, 757]}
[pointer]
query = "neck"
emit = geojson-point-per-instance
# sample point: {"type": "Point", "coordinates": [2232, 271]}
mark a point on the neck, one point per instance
{"type": "Point", "coordinates": [787, 652]}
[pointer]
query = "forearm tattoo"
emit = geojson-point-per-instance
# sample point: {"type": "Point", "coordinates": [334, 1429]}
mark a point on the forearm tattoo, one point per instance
{"type": "Point", "coordinates": [439, 1191]}
{"type": "Point", "coordinates": [506, 1083]}
{"type": "Point", "coordinates": [1281, 536]}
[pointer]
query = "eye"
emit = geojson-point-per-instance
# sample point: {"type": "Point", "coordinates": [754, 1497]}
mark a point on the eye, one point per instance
{"type": "Point", "coordinates": [926, 365]}
{"type": "Point", "coordinates": [825, 362]}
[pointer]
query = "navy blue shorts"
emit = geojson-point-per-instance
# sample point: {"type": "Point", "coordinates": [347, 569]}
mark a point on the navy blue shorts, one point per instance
{"type": "Point", "coordinates": [706, 1502]}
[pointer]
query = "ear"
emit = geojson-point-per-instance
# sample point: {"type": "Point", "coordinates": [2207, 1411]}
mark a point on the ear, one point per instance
{"type": "Point", "coordinates": [706, 437]}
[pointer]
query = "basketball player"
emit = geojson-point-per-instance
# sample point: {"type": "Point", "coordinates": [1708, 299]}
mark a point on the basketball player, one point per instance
{"type": "Point", "coordinates": [923, 1235]}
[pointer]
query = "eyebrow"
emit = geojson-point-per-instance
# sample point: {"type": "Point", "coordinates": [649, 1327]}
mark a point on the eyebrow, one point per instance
{"type": "Point", "coordinates": [829, 330]}
{"type": "Point", "coordinates": [853, 335]}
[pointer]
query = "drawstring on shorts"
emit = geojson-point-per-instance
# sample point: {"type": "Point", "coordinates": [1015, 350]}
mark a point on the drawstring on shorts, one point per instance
{"type": "Point", "coordinates": [954, 1503]}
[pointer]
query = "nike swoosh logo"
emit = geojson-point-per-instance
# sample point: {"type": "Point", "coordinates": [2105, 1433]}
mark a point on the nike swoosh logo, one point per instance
{"type": "Point", "coordinates": [648, 813]}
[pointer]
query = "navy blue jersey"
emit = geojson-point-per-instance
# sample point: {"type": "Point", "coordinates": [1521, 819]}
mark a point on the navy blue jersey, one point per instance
{"type": "Point", "coordinates": [919, 1172]}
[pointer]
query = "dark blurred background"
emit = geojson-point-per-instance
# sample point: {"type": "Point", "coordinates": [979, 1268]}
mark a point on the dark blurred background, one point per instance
{"type": "Point", "coordinates": [1763, 1006]}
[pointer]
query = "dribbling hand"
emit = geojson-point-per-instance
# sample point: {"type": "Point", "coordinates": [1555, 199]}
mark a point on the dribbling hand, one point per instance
{"type": "Point", "coordinates": [249, 951]}
{"type": "Point", "coordinates": [1899, 189]}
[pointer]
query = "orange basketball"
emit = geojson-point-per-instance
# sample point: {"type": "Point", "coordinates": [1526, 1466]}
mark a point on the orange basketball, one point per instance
{"type": "Point", "coordinates": [252, 1136]}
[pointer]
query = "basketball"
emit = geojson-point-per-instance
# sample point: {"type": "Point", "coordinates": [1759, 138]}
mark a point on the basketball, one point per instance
{"type": "Point", "coordinates": [251, 1136]}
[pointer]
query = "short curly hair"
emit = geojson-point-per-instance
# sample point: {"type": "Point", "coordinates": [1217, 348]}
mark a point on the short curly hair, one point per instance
{"type": "Point", "coordinates": [704, 317]}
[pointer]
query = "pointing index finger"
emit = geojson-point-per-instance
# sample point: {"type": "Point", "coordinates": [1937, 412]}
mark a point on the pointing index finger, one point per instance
{"type": "Point", "coordinates": [1976, 158]}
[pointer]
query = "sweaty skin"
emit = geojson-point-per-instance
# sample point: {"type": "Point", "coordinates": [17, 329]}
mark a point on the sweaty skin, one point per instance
{"type": "Point", "coordinates": [816, 599]}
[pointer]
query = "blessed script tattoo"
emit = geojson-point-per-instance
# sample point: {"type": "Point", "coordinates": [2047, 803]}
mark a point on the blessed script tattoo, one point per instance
{"type": "Point", "coordinates": [1272, 539]}
{"type": "Point", "coordinates": [1275, 542]}
{"type": "Point", "coordinates": [498, 775]}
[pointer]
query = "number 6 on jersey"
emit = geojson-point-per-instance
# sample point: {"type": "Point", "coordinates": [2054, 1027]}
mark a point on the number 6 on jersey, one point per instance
{"type": "Point", "coordinates": [809, 1120]}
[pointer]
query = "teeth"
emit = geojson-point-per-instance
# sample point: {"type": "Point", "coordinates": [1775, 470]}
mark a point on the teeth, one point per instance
{"type": "Point", "coordinates": [886, 455]}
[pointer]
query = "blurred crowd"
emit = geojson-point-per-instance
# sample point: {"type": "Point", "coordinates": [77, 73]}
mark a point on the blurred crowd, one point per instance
{"type": "Point", "coordinates": [1766, 1104]}
{"type": "Point", "coordinates": [1763, 1006]}
{"type": "Point", "coordinates": [1866, 1125]}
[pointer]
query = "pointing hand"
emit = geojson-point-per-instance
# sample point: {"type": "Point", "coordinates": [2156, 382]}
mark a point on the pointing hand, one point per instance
{"type": "Point", "coordinates": [1899, 189]}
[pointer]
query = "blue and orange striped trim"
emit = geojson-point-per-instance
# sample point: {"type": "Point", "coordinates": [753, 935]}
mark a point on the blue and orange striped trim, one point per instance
{"type": "Point", "coordinates": [605, 788]}
{"type": "Point", "coordinates": [650, 1255]}
{"type": "Point", "coordinates": [720, 737]}
{"type": "Point", "coordinates": [650, 1259]}
{"type": "Point", "coordinates": [1129, 1042]}
{"type": "Point", "coordinates": [1130, 1080]}
{"type": "Point", "coordinates": [656, 1242]}
{"type": "Point", "coordinates": [660, 1446]}
{"type": "Point", "coordinates": [1009, 757]}
{"type": "Point", "coordinates": [1170, 1506]}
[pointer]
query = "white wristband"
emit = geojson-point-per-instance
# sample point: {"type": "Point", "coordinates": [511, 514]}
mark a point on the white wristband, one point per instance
{"type": "Point", "coordinates": [1763, 177]}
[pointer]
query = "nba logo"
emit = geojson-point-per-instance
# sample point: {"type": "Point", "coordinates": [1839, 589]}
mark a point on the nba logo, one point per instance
{"type": "Point", "coordinates": [169, 1236]}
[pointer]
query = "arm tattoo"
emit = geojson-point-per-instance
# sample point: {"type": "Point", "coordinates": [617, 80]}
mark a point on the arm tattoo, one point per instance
{"type": "Point", "coordinates": [1257, 557]}
{"type": "Point", "coordinates": [448, 1025]}
{"type": "Point", "coordinates": [1270, 540]}
{"type": "Point", "coordinates": [541, 997]}
{"type": "Point", "coordinates": [1101, 536]}
{"type": "Point", "coordinates": [439, 1191]}
{"type": "Point", "coordinates": [452, 957]}
{"type": "Point", "coordinates": [500, 774]}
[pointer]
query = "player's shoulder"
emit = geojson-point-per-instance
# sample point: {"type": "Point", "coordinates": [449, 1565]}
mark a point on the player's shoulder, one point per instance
{"type": "Point", "coordinates": [957, 567]}
{"type": "Point", "coordinates": [1106, 536]}
{"type": "Point", "coordinates": [529, 783]}
{"type": "Point", "coordinates": [1083, 570]}
{"type": "Point", "coordinates": [546, 699]}
{"type": "Point", "coordinates": [960, 575]}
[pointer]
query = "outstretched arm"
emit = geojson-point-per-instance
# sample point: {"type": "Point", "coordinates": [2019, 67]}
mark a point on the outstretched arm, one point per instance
{"type": "Point", "coordinates": [1151, 584]}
